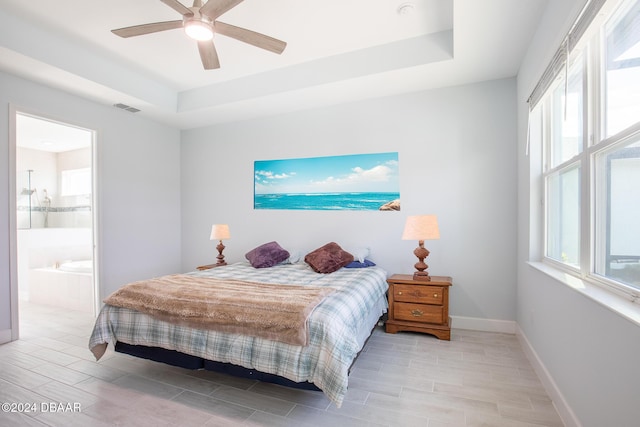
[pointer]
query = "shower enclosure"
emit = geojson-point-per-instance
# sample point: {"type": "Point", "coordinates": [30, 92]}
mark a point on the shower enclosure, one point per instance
{"type": "Point", "coordinates": [35, 203]}
{"type": "Point", "coordinates": [33, 207]}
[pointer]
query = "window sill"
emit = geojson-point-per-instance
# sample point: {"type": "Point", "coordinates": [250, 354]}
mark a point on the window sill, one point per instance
{"type": "Point", "coordinates": [616, 303]}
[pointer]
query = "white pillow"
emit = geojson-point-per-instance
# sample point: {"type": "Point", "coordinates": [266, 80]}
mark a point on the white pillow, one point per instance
{"type": "Point", "coordinates": [294, 256]}
{"type": "Point", "coordinates": [359, 253]}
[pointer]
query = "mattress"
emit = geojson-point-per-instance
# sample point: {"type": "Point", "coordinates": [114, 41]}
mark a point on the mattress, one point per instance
{"type": "Point", "coordinates": [338, 327]}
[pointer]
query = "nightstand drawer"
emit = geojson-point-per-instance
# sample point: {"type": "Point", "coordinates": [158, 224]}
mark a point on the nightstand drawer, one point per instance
{"type": "Point", "coordinates": [418, 294]}
{"type": "Point", "coordinates": [419, 312]}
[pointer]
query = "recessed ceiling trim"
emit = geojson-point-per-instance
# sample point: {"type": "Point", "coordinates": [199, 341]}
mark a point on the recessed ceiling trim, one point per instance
{"type": "Point", "coordinates": [78, 59]}
{"type": "Point", "coordinates": [406, 53]}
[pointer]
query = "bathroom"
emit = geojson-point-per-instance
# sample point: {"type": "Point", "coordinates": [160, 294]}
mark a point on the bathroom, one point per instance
{"type": "Point", "coordinates": [54, 214]}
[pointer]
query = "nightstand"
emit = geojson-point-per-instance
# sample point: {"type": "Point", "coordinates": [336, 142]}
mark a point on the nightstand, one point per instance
{"type": "Point", "coordinates": [209, 266]}
{"type": "Point", "coordinates": [419, 306]}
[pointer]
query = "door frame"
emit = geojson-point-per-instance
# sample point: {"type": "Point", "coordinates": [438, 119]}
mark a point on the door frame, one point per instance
{"type": "Point", "coordinates": [13, 225]}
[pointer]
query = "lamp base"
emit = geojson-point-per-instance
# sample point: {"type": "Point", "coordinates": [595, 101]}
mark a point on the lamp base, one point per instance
{"type": "Point", "coordinates": [220, 257]}
{"type": "Point", "coordinates": [421, 276]}
{"type": "Point", "coordinates": [421, 252]}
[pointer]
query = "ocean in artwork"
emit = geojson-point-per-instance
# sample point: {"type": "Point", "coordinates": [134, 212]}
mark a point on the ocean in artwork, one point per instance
{"type": "Point", "coordinates": [348, 182]}
{"type": "Point", "coordinates": [325, 201]}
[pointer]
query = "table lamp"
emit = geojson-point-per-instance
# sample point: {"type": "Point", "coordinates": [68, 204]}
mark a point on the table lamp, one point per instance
{"type": "Point", "coordinates": [421, 228]}
{"type": "Point", "coordinates": [220, 232]}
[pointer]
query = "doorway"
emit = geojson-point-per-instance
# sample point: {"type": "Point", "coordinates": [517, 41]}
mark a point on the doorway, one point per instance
{"type": "Point", "coordinates": [55, 221]}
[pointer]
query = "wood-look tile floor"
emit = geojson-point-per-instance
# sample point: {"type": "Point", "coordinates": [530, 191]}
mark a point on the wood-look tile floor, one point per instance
{"type": "Point", "coordinates": [406, 379]}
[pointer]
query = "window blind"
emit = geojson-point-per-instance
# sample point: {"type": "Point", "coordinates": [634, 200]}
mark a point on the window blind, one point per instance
{"type": "Point", "coordinates": [559, 60]}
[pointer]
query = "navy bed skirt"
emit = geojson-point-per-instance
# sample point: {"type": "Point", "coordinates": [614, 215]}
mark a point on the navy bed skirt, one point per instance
{"type": "Point", "coordinates": [175, 358]}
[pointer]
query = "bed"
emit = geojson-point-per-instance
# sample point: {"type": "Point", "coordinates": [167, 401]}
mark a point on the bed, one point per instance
{"type": "Point", "coordinates": [337, 328]}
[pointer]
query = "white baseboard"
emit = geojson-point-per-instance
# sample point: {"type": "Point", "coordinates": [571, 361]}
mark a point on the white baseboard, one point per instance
{"type": "Point", "coordinates": [5, 336]}
{"type": "Point", "coordinates": [485, 325]}
{"type": "Point", "coordinates": [564, 410]}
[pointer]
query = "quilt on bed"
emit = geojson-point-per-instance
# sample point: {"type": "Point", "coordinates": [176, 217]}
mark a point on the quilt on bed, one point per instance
{"type": "Point", "coordinates": [263, 310]}
{"type": "Point", "coordinates": [335, 327]}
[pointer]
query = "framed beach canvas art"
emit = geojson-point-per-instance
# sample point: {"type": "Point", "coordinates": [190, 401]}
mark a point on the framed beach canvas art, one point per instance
{"type": "Point", "coordinates": [349, 182]}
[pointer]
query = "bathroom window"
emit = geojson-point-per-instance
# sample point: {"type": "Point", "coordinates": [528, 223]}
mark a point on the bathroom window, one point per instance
{"type": "Point", "coordinates": [76, 182]}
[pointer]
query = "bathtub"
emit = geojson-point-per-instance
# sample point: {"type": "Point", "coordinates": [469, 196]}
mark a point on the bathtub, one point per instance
{"type": "Point", "coordinates": [84, 266]}
{"type": "Point", "coordinates": [69, 286]}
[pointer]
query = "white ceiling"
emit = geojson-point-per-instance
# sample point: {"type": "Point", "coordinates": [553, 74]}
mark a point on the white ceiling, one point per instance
{"type": "Point", "coordinates": [45, 135]}
{"type": "Point", "coordinates": [337, 51]}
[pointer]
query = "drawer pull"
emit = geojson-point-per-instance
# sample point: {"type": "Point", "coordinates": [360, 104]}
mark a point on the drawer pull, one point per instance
{"type": "Point", "coordinates": [400, 293]}
{"type": "Point", "coordinates": [435, 295]}
{"type": "Point", "coordinates": [416, 313]}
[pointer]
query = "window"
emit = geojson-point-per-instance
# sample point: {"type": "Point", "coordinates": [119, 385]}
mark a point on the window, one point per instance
{"type": "Point", "coordinates": [622, 66]}
{"type": "Point", "coordinates": [618, 225]}
{"type": "Point", "coordinates": [563, 216]}
{"type": "Point", "coordinates": [563, 164]}
{"type": "Point", "coordinates": [589, 114]}
{"type": "Point", "coordinates": [567, 110]}
{"type": "Point", "coordinates": [76, 182]}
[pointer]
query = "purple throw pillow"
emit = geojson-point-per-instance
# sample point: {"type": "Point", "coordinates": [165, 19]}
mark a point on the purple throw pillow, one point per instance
{"type": "Point", "coordinates": [267, 255]}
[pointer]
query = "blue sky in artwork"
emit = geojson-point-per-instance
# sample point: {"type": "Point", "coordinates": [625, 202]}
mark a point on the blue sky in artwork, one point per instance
{"type": "Point", "coordinates": [337, 174]}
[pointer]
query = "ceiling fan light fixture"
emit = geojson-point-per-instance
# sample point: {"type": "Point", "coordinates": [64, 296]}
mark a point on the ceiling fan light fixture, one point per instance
{"type": "Point", "coordinates": [198, 30]}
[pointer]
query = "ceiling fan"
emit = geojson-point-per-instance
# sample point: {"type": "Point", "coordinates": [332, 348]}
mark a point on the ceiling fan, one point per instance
{"type": "Point", "coordinates": [200, 23]}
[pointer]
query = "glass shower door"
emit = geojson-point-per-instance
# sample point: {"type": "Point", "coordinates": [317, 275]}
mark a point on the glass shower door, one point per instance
{"type": "Point", "coordinates": [24, 199]}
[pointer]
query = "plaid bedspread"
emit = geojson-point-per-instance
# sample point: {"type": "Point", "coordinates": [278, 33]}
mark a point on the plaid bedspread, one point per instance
{"type": "Point", "coordinates": [334, 327]}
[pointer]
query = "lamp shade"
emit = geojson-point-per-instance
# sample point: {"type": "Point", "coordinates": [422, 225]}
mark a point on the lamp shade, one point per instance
{"type": "Point", "coordinates": [220, 232]}
{"type": "Point", "coordinates": [421, 227]}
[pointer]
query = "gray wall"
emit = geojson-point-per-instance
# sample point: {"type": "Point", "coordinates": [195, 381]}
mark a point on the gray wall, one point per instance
{"type": "Point", "coordinates": [455, 145]}
{"type": "Point", "coordinates": [139, 186]}
{"type": "Point", "coordinates": [589, 351]}
{"type": "Point", "coordinates": [456, 152]}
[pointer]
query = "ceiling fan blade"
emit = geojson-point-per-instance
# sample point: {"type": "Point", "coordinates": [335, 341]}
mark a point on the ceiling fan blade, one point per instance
{"type": "Point", "coordinates": [139, 30]}
{"type": "Point", "coordinates": [208, 55]}
{"type": "Point", "coordinates": [178, 7]}
{"type": "Point", "coordinates": [250, 37]}
{"type": "Point", "coordinates": [215, 8]}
